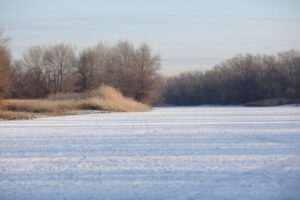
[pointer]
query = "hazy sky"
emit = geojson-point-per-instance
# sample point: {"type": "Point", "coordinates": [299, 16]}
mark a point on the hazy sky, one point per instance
{"type": "Point", "coordinates": [188, 34]}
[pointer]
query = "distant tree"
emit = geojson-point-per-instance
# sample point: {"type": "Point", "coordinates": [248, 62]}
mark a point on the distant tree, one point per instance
{"type": "Point", "coordinates": [86, 69]}
{"type": "Point", "coordinates": [59, 62]}
{"type": "Point", "coordinates": [146, 70]}
{"type": "Point", "coordinates": [121, 69]}
{"type": "Point", "coordinates": [289, 63]}
{"type": "Point", "coordinates": [18, 89]}
{"type": "Point", "coordinates": [4, 66]}
{"type": "Point", "coordinates": [35, 80]}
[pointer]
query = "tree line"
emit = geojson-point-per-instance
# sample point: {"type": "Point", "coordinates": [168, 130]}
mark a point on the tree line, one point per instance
{"type": "Point", "coordinates": [241, 79]}
{"type": "Point", "coordinates": [134, 71]}
{"type": "Point", "coordinates": [45, 70]}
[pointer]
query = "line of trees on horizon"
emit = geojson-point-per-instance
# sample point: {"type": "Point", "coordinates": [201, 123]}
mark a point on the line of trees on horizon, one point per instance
{"type": "Point", "coordinates": [239, 80]}
{"type": "Point", "coordinates": [134, 71]}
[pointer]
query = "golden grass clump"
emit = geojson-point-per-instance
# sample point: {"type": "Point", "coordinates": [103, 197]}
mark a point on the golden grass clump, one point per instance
{"type": "Point", "coordinates": [107, 93]}
{"type": "Point", "coordinates": [104, 98]}
{"type": "Point", "coordinates": [37, 106]}
{"type": "Point", "coordinates": [109, 99]}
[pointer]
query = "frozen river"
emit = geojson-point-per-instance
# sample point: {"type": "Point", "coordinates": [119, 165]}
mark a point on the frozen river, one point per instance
{"type": "Point", "coordinates": [169, 153]}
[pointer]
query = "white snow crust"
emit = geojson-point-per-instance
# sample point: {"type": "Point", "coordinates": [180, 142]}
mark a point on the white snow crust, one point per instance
{"type": "Point", "coordinates": [171, 153]}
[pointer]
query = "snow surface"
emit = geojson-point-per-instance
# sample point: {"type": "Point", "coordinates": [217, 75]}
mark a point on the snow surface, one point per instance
{"type": "Point", "coordinates": [170, 153]}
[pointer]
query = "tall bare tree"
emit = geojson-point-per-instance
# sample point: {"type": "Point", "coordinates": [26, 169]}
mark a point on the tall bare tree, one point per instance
{"type": "Point", "coordinates": [60, 63]}
{"type": "Point", "coordinates": [146, 70]}
{"type": "Point", "coordinates": [86, 69]}
{"type": "Point", "coordinates": [4, 66]}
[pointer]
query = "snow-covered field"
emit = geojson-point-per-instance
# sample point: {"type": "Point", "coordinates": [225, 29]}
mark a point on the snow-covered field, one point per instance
{"type": "Point", "coordinates": [170, 153]}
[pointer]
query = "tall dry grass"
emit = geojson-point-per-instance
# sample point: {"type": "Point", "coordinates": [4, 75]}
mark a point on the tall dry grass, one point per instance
{"type": "Point", "coordinates": [104, 98]}
{"type": "Point", "coordinates": [109, 99]}
{"type": "Point", "coordinates": [12, 115]}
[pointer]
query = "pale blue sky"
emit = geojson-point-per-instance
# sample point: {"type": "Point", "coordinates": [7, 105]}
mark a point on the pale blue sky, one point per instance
{"type": "Point", "coordinates": [188, 34]}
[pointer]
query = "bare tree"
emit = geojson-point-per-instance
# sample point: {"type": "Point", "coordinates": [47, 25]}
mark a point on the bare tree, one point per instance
{"type": "Point", "coordinates": [36, 76]}
{"type": "Point", "coordinates": [86, 70]}
{"type": "Point", "coordinates": [146, 70]}
{"type": "Point", "coordinates": [120, 68]}
{"type": "Point", "coordinates": [60, 64]}
{"type": "Point", "coordinates": [4, 66]}
{"type": "Point", "coordinates": [91, 67]}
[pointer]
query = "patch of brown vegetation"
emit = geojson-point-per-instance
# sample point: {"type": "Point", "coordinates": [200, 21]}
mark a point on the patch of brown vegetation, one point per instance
{"type": "Point", "coordinates": [104, 98]}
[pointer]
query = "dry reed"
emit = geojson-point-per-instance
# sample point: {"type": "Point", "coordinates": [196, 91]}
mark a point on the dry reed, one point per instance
{"type": "Point", "coordinates": [104, 98]}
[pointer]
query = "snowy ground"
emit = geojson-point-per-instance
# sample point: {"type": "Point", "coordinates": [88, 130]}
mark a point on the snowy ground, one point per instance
{"type": "Point", "coordinates": [170, 153]}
